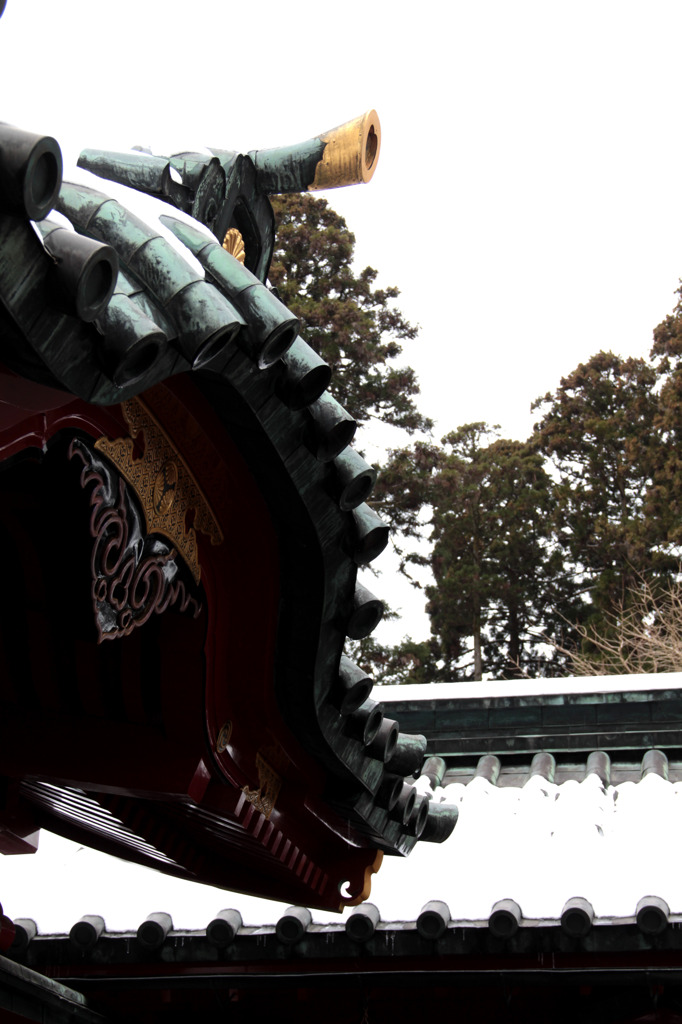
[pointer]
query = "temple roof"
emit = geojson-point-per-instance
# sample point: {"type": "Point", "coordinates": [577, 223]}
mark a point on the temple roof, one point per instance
{"type": "Point", "coordinates": [535, 842]}
{"type": "Point", "coordinates": [559, 882]}
{"type": "Point", "coordinates": [186, 521]}
{"type": "Point", "coordinates": [554, 893]}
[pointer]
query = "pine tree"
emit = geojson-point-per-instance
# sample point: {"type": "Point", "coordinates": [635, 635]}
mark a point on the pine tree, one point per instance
{"type": "Point", "coordinates": [491, 559]}
{"type": "Point", "coordinates": [357, 329]}
{"type": "Point", "coordinates": [352, 324]}
{"type": "Point", "coordinates": [600, 432]}
{"type": "Point", "coordinates": [664, 504]}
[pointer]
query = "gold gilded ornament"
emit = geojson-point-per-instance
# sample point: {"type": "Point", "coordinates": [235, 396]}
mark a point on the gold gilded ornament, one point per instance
{"type": "Point", "coordinates": [351, 153]}
{"type": "Point", "coordinates": [165, 488]}
{"type": "Point", "coordinates": [163, 483]}
{"type": "Point", "coordinates": [234, 244]}
{"type": "Point", "coordinates": [224, 735]}
{"type": "Point", "coordinates": [269, 785]}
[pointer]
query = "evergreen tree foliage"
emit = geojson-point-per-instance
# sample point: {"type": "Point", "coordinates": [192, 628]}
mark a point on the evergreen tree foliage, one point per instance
{"type": "Point", "coordinates": [491, 558]}
{"type": "Point", "coordinates": [357, 329]}
{"type": "Point", "coordinates": [542, 552]}
{"type": "Point", "coordinates": [352, 324]}
{"type": "Point", "coordinates": [403, 494]}
{"type": "Point", "coordinates": [411, 661]}
{"type": "Point", "coordinates": [599, 430]}
{"type": "Point", "coordinates": [664, 504]}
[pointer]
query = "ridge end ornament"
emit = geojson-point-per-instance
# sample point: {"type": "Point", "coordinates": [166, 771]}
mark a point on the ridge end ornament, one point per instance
{"type": "Point", "coordinates": [163, 483]}
{"type": "Point", "coordinates": [351, 153]}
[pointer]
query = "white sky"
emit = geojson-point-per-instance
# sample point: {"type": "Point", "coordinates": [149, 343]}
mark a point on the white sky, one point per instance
{"type": "Point", "coordinates": [526, 201]}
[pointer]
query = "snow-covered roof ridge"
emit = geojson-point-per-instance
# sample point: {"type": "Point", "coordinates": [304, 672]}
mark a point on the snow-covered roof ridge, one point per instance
{"type": "Point", "coordinates": [533, 687]}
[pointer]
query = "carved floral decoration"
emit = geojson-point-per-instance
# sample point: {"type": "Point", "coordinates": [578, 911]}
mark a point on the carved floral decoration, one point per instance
{"type": "Point", "coordinates": [134, 574]}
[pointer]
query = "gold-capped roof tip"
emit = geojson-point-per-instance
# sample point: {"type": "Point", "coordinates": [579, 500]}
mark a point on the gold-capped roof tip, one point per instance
{"type": "Point", "coordinates": [351, 153]}
{"type": "Point", "coordinates": [371, 143]}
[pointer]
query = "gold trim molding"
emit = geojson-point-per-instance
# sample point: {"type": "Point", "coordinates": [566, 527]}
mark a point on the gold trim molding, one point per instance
{"type": "Point", "coordinates": [163, 483]}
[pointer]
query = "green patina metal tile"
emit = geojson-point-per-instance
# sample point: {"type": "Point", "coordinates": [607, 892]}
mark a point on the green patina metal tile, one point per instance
{"type": "Point", "coordinates": [515, 717]}
{"type": "Point", "coordinates": [623, 712]}
{"type": "Point", "coordinates": [417, 721]}
{"type": "Point", "coordinates": [569, 714]}
{"type": "Point", "coordinates": [667, 711]}
{"type": "Point", "coordinates": [630, 697]}
{"type": "Point", "coordinates": [462, 718]}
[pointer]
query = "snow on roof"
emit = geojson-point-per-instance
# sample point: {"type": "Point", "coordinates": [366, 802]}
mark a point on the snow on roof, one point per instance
{"type": "Point", "coordinates": [539, 845]}
{"type": "Point", "coordinates": [531, 687]}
